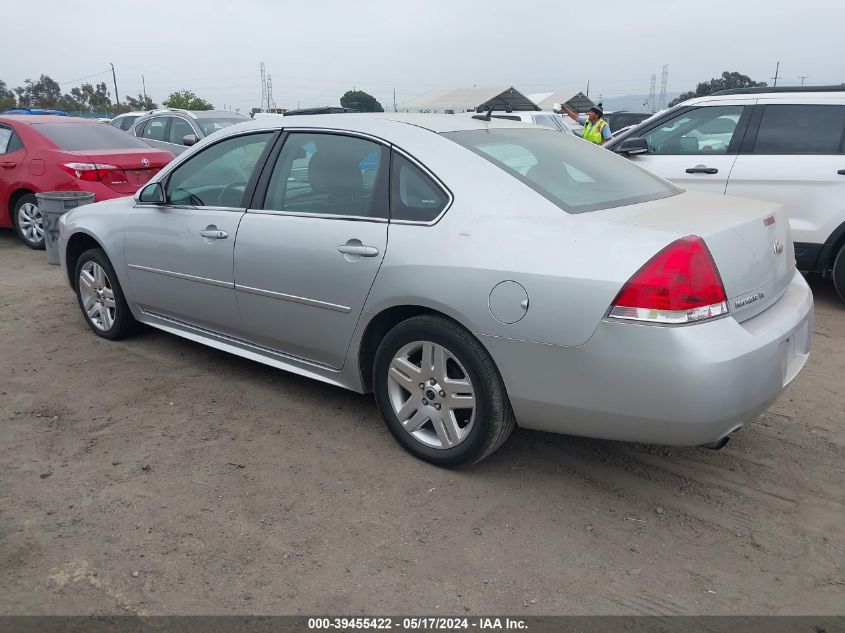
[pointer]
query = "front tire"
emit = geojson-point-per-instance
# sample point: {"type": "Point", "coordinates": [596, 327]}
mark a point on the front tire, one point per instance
{"type": "Point", "coordinates": [839, 273]}
{"type": "Point", "coordinates": [440, 393]}
{"type": "Point", "coordinates": [28, 222]}
{"type": "Point", "coordinates": [100, 296]}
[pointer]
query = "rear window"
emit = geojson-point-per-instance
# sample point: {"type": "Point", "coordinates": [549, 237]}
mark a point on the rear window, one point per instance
{"type": "Point", "coordinates": [75, 137]}
{"type": "Point", "coordinates": [574, 176]}
{"type": "Point", "coordinates": [209, 126]}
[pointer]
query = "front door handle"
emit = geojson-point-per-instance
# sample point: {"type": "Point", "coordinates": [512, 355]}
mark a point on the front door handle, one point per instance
{"type": "Point", "coordinates": [354, 247]}
{"type": "Point", "coordinates": [841, 172]}
{"type": "Point", "coordinates": [702, 169]}
{"type": "Point", "coordinates": [213, 233]}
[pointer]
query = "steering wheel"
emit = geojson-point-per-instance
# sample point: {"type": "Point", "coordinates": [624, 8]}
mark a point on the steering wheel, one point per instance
{"type": "Point", "coordinates": [221, 199]}
{"type": "Point", "coordinates": [194, 200]}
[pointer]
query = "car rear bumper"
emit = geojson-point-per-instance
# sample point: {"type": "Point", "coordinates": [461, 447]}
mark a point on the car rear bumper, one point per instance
{"type": "Point", "coordinates": [664, 385]}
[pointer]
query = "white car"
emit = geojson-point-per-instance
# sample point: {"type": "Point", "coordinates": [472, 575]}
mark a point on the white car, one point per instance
{"type": "Point", "coordinates": [785, 145]}
{"type": "Point", "coordinates": [546, 118]}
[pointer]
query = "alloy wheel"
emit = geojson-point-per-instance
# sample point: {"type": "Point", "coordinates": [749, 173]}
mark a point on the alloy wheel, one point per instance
{"type": "Point", "coordinates": [97, 295]}
{"type": "Point", "coordinates": [31, 223]}
{"type": "Point", "coordinates": [431, 394]}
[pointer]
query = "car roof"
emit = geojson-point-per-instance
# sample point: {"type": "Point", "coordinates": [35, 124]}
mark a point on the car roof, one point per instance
{"type": "Point", "coordinates": [791, 95]}
{"type": "Point", "coordinates": [372, 122]}
{"type": "Point", "coordinates": [205, 114]}
{"type": "Point", "coordinates": [36, 119]}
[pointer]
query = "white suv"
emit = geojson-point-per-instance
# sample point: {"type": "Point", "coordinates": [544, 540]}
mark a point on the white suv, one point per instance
{"type": "Point", "coordinates": [786, 145]}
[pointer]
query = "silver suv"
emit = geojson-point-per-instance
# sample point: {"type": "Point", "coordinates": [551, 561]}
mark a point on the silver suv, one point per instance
{"type": "Point", "coordinates": [176, 130]}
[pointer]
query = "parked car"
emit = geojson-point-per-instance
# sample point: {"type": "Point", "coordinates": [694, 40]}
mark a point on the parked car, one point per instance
{"type": "Point", "coordinates": [546, 118]}
{"type": "Point", "coordinates": [31, 111]}
{"type": "Point", "coordinates": [622, 119]}
{"type": "Point", "coordinates": [51, 153]}
{"type": "Point", "coordinates": [124, 121]}
{"type": "Point", "coordinates": [782, 145]}
{"type": "Point", "coordinates": [176, 130]}
{"type": "Point", "coordinates": [528, 278]}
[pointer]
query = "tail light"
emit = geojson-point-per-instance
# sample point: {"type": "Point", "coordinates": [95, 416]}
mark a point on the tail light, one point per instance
{"type": "Point", "coordinates": [680, 284]}
{"type": "Point", "coordinates": [92, 172]}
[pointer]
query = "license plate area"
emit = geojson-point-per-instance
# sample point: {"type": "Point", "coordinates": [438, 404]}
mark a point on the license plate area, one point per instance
{"type": "Point", "coordinates": [795, 350]}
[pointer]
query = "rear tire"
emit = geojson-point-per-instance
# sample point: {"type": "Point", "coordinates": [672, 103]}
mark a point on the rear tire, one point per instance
{"type": "Point", "coordinates": [451, 410]}
{"type": "Point", "coordinates": [28, 222]}
{"type": "Point", "coordinates": [839, 273]}
{"type": "Point", "coordinates": [100, 296]}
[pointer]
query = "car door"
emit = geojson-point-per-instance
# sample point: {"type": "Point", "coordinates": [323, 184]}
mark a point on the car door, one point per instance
{"type": "Point", "coordinates": [697, 147]}
{"type": "Point", "coordinates": [12, 155]}
{"type": "Point", "coordinates": [180, 254]}
{"type": "Point", "coordinates": [154, 132]}
{"type": "Point", "coordinates": [178, 130]}
{"type": "Point", "coordinates": [795, 156]}
{"type": "Point", "coordinates": [308, 251]}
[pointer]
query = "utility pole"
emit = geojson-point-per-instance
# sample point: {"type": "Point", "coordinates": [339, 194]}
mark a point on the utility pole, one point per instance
{"type": "Point", "coordinates": [113, 76]}
{"type": "Point", "coordinates": [661, 102]}
{"type": "Point", "coordinates": [263, 86]}
{"type": "Point", "coordinates": [270, 94]}
{"type": "Point", "coordinates": [144, 84]}
{"type": "Point", "coordinates": [802, 78]}
{"type": "Point", "coordinates": [394, 100]}
{"type": "Point", "coordinates": [777, 70]}
{"type": "Point", "coordinates": [652, 102]}
{"type": "Point", "coordinates": [588, 89]}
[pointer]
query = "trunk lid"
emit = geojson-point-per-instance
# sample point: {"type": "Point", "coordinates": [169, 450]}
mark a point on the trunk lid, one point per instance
{"type": "Point", "coordinates": [135, 167]}
{"type": "Point", "coordinates": [750, 242]}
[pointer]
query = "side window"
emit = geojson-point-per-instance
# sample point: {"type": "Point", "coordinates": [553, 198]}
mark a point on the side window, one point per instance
{"type": "Point", "coordinates": [118, 123]}
{"type": "Point", "coordinates": [329, 174]}
{"type": "Point", "coordinates": [155, 128]}
{"type": "Point", "coordinates": [801, 129]}
{"type": "Point", "coordinates": [127, 122]}
{"type": "Point", "coordinates": [706, 130]}
{"type": "Point", "coordinates": [414, 196]}
{"type": "Point", "coordinates": [218, 175]}
{"type": "Point", "coordinates": [9, 141]}
{"type": "Point", "coordinates": [179, 128]}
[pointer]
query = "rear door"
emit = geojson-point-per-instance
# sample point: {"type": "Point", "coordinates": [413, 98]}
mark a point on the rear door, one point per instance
{"type": "Point", "coordinates": [308, 251]}
{"type": "Point", "coordinates": [795, 155]}
{"type": "Point", "coordinates": [697, 147]}
{"type": "Point", "coordinates": [154, 132]}
{"type": "Point", "coordinates": [12, 155]}
{"type": "Point", "coordinates": [180, 254]}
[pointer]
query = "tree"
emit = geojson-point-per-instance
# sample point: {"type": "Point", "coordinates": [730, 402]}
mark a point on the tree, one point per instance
{"type": "Point", "coordinates": [92, 98]}
{"type": "Point", "coordinates": [141, 103]}
{"type": "Point", "coordinates": [7, 97]}
{"type": "Point", "coordinates": [186, 100]}
{"type": "Point", "coordinates": [44, 93]}
{"type": "Point", "coordinates": [360, 100]}
{"type": "Point", "coordinates": [727, 81]}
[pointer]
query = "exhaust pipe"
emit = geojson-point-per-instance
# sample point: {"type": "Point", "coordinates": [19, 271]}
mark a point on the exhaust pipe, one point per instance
{"type": "Point", "coordinates": [716, 446]}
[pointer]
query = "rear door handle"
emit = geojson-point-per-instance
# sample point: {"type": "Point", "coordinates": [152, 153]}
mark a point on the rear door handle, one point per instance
{"type": "Point", "coordinates": [8, 164]}
{"type": "Point", "coordinates": [214, 234]}
{"type": "Point", "coordinates": [841, 172]}
{"type": "Point", "coordinates": [702, 169]}
{"type": "Point", "coordinates": [358, 249]}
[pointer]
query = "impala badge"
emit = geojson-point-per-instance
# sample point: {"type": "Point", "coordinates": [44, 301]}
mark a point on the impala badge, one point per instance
{"type": "Point", "coordinates": [769, 221]}
{"type": "Point", "coordinates": [145, 162]}
{"type": "Point", "coordinates": [778, 247]}
{"type": "Point", "coordinates": [741, 303]}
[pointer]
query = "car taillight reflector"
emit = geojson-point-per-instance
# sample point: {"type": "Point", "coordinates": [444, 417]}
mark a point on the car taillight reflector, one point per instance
{"type": "Point", "coordinates": [680, 284]}
{"type": "Point", "coordinates": [91, 172]}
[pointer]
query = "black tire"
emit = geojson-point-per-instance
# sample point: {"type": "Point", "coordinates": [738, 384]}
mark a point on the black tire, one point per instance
{"type": "Point", "coordinates": [494, 419]}
{"type": "Point", "coordinates": [123, 323]}
{"type": "Point", "coordinates": [27, 198]}
{"type": "Point", "coordinates": [839, 273]}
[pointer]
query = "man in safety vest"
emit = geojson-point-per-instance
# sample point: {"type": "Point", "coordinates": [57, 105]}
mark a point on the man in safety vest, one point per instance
{"type": "Point", "coordinates": [596, 129]}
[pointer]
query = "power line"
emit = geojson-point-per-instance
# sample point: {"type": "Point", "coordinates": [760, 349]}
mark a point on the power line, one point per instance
{"type": "Point", "coordinates": [84, 78]}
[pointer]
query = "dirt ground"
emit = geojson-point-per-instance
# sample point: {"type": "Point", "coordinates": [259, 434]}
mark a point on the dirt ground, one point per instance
{"type": "Point", "coordinates": [158, 476]}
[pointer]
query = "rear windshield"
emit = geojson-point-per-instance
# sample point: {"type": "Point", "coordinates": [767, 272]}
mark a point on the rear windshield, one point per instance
{"type": "Point", "coordinates": [209, 126]}
{"type": "Point", "coordinates": [567, 171]}
{"type": "Point", "coordinates": [75, 137]}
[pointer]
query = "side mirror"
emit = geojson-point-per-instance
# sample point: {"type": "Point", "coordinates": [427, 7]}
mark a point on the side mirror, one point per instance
{"type": "Point", "coordinates": [634, 145]}
{"type": "Point", "coordinates": [153, 193]}
{"type": "Point", "coordinates": [189, 139]}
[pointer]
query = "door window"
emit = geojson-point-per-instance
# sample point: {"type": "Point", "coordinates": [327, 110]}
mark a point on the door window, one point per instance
{"type": "Point", "coordinates": [329, 174]}
{"type": "Point", "coordinates": [414, 196]}
{"type": "Point", "coordinates": [179, 128]}
{"type": "Point", "coordinates": [801, 129]}
{"type": "Point", "coordinates": [707, 130]}
{"type": "Point", "coordinates": [154, 129]}
{"type": "Point", "coordinates": [218, 175]}
{"type": "Point", "coordinates": [5, 137]}
{"type": "Point", "coordinates": [127, 122]}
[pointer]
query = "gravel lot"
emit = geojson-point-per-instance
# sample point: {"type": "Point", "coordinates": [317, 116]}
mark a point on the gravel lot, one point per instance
{"type": "Point", "coordinates": [157, 476]}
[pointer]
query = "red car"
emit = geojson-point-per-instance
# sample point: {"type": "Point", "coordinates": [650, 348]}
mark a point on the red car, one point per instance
{"type": "Point", "coordinates": [58, 153]}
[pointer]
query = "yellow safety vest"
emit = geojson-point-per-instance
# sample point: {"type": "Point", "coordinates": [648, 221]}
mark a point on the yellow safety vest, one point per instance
{"type": "Point", "coordinates": [592, 131]}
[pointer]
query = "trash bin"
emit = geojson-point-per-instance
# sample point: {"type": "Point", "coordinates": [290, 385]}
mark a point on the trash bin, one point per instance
{"type": "Point", "coordinates": [52, 205]}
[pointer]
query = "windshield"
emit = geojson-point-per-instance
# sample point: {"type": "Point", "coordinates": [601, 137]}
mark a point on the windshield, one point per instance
{"type": "Point", "coordinates": [75, 137]}
{"type": "Point", "coordinates": [210, 126]}
{"type": "Point", "coordinates": [574, 176]}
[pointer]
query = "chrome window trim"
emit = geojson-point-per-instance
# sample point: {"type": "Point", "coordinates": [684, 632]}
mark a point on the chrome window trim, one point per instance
{"type": "Point", "coordinates": [294, 299]}
{"type": "Point", "coordinates": [188, 207]}
{"type": "Point", "coordinates": [437, 181]}
{"type": "Point", "coordinates": [322, 216]}
{"type": "Point", "coordinates": [185, 276]}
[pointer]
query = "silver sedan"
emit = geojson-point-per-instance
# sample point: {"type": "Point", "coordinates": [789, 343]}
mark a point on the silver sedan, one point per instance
{"type": "Point", "coordinates": [473, 274]}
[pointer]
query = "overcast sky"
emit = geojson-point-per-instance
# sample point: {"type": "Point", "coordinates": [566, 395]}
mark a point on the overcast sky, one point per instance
{"type": "Point", "coordinates": [315, 50]}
